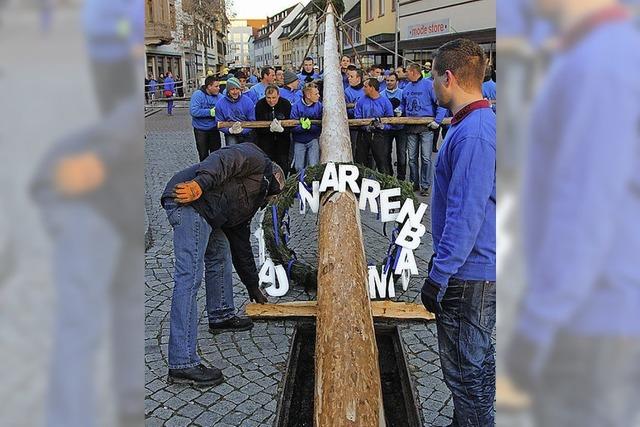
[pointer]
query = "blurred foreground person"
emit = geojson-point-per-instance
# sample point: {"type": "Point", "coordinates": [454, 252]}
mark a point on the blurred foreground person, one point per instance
{"type": "Point", "coordinates": [576, 345]}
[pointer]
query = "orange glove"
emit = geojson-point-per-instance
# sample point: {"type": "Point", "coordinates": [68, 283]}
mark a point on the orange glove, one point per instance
{"type": "Point", "coordinates": [187, 192]}
{"type": "Point", "coordinates": [79, 174]}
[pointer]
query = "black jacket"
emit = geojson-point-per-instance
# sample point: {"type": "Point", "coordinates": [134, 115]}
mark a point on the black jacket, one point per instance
{"type": "Point", "coordinates": [235, 182]}
{"type": "Point", "coordinates": [281, 111]}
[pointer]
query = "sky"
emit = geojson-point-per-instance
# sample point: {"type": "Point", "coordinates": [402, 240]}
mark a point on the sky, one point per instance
{"type": "Point", "coordinates": [262, 8]}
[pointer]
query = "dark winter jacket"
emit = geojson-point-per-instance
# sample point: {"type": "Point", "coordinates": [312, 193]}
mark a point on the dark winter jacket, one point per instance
{"type": "Point", "coordinates": [235, 183]}
{"type": "Point", "coordinates": [281, 111]}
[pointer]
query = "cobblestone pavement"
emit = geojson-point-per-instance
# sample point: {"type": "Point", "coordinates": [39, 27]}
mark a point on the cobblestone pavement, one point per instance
{"type": "Point", "coordinates": [253, 362]}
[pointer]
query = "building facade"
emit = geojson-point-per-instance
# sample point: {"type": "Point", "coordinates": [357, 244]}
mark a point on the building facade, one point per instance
{"type": "Point", "coordinates": [425, 25]}
{"type": "Point", "coordinates": [197, 42]}
{"type": "Point", "coordinates": [238, 38]}
{"type": "Point", "coordinates": [268, 50]}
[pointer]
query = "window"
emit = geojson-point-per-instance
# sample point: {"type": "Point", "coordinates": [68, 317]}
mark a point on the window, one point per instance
{"type": "Point", "coordinates": [369, 5]}
{"type": "Point", "coordinates": [149, 10]}
{"type": "Point", "coordinates": [381, 7]}
{"type": "Point", "coordinates": [393, 5]}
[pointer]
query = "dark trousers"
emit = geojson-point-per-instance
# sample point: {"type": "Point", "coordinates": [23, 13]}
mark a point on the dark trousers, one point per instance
{"type": "Point", "coordinates": [207, 141]}
{"type": "Point", "coordinates": [401, 151]}
{"type": "Point", "coordinates": [276, 149]}
{"type": "Point", "coordinates": [377, 144]}
{"type": "Point", "coordinates": [467, 354]}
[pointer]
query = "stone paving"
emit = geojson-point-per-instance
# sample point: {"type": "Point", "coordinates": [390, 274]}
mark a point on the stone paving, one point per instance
{"type": "Point", "coordinates": [253, 362]}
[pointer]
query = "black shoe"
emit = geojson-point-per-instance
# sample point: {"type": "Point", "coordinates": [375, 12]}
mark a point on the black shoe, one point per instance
{"type": "Point", "coordinates": [425, 192]}
{"type": "Point", "coordinates": [199, 376]}
{"type": "Point", "coordinates": [416, 187]}
{"type": "Point", "coordinates": [236, 323]}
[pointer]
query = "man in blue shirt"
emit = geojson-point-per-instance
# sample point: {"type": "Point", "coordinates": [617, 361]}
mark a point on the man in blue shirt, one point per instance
{"type": "Point", "coordinates": [352, 94]}
{"type": "Point", "coordinates": [394, 94]}
{"type": "Point", "coordinates": [203, 117]}
{"type": "Point", "coordinates": [372, 138]}
{"type": "Point", "coordinates": [290, 90]}
{"type": "Point", "coordinates": [576, 339]}
{"type": "Point", "coordinates": [236, 107]}
{"type": "Point", "coordinates": [268, 77]}
{"type": "Point", "coordinates": [460, 288]}
{"type": "Point", "coordinates": [308, 74]}
{"type": "Point", "coordinates": [169, 91]}
{"type": "Point", "coordinates": [489, 88]}
{"type": "Point", "coordinates": [419, 100]}
{"type": "Point", "coordinates": [306, 135]}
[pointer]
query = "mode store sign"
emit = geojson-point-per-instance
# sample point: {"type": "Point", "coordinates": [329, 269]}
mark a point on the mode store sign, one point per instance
{"type": "Point", "coordinates": [428, 29]}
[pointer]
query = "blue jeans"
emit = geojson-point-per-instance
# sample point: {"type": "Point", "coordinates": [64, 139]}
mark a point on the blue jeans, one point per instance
{"type": "Point", "coordinates": [467, 353]}
{"type": "Point", "coordinates": [196, 247]}
{"type": "Point", "coordinates": [97, 293]}
{"type": "Point", "coordinates": [422, 142]}
{"type": "Point", "coordinates": [306, 154]}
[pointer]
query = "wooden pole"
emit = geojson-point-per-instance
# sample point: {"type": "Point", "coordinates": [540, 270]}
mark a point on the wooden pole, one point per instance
{"type": "Point", "coordinates": [347, 376]}
{"type": "Point", "coordinates": [351, 122]}
{"type": "Point", "coordinates": [381, 309]}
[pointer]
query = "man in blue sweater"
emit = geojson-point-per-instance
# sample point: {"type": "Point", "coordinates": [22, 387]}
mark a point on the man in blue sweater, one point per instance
{"type": "Point", "coordinates": [419, 100]}
{"type": "Point", "coordinates": [306, 135]}
{"type": "Point", "coordinates": [203, 117]}
{"type": "Point", "coordinates": [352, 94]}
{"type": "Point", "coordinates": [576, 341]}
{"type": "Point", "coordinates": [169, 91]}
{"type": "Point", "coordinates": [395, 95]}
{"type": "Point", "coordinates": [268, 77]}
{"type": "Point", "coordinates": [289, 90]}
{"type": "Point", "coordinates": [235, 107]}
{"type": "Point", "coordinates": [460, 287]}
{"type": "Point", "coordinates": [372, 137]}
{"type": "Point", "coordinates": [489, 88]}
{"type": "Point", "coordinates": [308, 74]}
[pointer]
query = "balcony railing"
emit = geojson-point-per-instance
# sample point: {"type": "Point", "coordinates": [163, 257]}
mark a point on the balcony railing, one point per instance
{"type": "Point", "coordinates": [157, 33]}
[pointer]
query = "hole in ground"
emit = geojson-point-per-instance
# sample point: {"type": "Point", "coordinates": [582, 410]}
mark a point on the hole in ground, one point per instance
{"type": "Point", "coordinates": [295, 408]}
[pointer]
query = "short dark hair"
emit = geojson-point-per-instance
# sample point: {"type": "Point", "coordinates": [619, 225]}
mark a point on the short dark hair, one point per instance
{"type": "Point", "coordinates": [378, 67]}
{"type": "Point", "coordinates": [265, 71]}
{"type": "Point", "coordinates": [374, 83]}
{"type": "Point", "coordinates": [345, 56]}
{"type": "Point", "coordinates": [465, 59]}
{"type": "Point", "coordinates": [359, 73]}
{"type": "Point", "coordinates": [393, 73]}
{"type": "Point", "coordinates": [241, 75]}
{"type": "Point", "coordinates": [210, 80]}
{"type": "Point", "coordinates": [308, 58]}
{"type": "Point", "coordinates": [272, 88]}
{"type": "Point", "coordinates": [351, 67]}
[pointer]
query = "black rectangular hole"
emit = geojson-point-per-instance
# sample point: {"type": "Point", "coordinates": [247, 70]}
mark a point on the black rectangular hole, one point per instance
{"type": "Point", "coordinates": [295, 408]}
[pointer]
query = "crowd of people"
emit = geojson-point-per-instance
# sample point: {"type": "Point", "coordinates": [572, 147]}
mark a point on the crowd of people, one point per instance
{"type": "Point", "coordinates": [270, 94]}
{"type": "Point", "coordinates": [164, 86]}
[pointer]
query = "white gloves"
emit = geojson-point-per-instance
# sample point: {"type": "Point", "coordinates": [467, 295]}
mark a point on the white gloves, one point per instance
{"type": "Point", "coordinates": [433, 125]}
{"type": "Point", "coordinates": [275, 126]}
{"type": "Point", "coordinates": [235, 129]}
